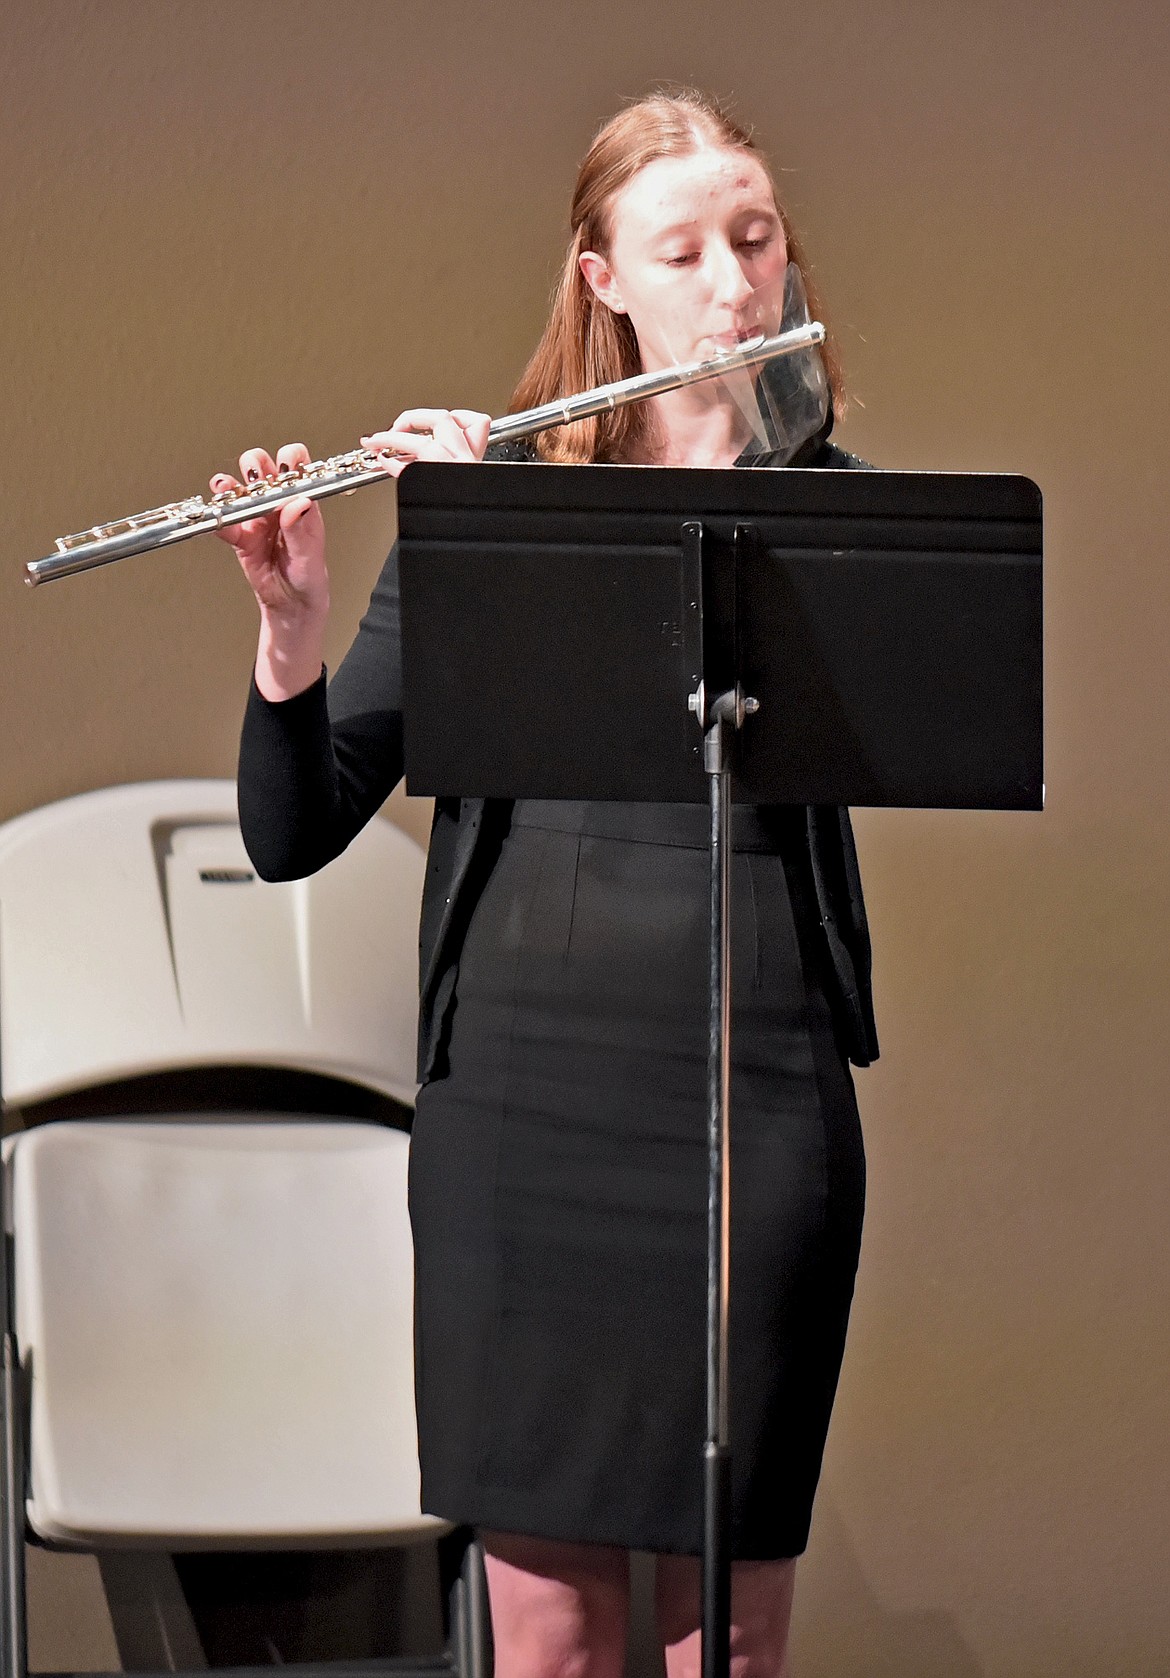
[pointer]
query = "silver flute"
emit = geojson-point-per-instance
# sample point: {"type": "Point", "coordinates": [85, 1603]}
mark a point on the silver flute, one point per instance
{"type": "Point", "coordinates": [342, 473]}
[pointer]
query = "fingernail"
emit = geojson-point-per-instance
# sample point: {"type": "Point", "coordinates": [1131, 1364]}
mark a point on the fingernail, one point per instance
{"type": "Point", "coordinates": [253, 474]}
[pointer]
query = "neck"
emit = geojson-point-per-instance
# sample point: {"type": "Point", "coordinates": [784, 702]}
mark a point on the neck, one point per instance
{"type": "Point", "coordinates": [693, 428]}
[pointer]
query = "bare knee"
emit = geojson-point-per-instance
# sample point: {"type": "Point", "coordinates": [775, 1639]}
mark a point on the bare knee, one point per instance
{"type": "Point", "coordinates": [761, 1609]}
{"type": "Point", "coordinates": [558, 1610]}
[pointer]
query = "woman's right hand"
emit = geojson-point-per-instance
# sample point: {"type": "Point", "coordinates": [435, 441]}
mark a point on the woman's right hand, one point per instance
{"type": "Point", "coordinates": [282, 554]}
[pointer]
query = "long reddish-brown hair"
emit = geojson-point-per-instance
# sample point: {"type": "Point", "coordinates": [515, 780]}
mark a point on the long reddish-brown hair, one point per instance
{"type": "Point", "coordinates": [584, 343]}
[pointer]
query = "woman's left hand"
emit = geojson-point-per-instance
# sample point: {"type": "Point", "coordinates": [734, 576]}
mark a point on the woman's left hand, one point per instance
{"type": "Point", "coordinates": [432, 434]}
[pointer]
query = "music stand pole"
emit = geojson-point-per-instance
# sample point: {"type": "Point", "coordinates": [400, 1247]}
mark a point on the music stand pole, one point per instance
{"type": "Point", "coordinates": [725, 714]}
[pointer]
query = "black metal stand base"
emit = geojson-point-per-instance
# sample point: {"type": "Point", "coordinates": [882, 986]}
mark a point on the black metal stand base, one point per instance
{"type": "Point", "coordinates": [716, 1561]}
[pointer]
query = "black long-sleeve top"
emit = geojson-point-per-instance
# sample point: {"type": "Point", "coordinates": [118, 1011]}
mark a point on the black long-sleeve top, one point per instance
{"type": "Point", "coordinates": [315, 768]}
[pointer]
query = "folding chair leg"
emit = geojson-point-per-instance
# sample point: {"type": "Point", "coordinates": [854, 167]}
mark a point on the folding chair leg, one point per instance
{"type": "Point", "coordinates": [469, 1634]}
{"type": "Point", "coordinates": [152, 1623]}
{"type": "Point", "coordinates": [15, 1650]}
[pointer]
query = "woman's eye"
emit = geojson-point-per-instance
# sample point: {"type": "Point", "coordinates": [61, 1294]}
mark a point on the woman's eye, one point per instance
{"type": "Point", "coordinates": [682, 260]}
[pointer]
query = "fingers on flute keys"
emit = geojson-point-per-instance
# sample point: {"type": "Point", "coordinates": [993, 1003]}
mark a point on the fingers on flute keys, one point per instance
{"type": "Point", "coordinates": [255, 465]}
{"type": "Point", "coordinates": [431, 434]}
{"type": "Point", "coordinates": [258, 463]}
{"type": "Point", "coordinates": [288, 458]}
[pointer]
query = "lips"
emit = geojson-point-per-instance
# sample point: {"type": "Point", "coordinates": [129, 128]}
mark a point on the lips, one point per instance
{"type": "Point", "coordinates": [736, 340]}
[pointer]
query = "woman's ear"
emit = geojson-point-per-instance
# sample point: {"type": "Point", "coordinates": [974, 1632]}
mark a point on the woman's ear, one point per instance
{"type": "Point", "coordinates": [599, 277]}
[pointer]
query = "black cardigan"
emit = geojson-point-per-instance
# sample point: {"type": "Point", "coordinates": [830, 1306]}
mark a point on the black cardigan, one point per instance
{"type": "Point", "coordinates": [314, 769]}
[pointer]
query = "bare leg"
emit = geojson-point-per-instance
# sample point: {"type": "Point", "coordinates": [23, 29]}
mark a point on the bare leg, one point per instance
{"type": "Point", "coordinates": [761, 1608]}
{"type": "Point", "coordinates": [558, 1610]}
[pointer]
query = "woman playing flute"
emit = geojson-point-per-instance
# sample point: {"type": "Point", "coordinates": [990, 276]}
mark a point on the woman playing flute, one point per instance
{"type": "Point", "coordinates": [558, 1155]}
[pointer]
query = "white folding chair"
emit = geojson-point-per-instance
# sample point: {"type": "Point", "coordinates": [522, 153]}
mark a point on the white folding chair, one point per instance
{"type": "Point", "coordinates": [207, 1322]}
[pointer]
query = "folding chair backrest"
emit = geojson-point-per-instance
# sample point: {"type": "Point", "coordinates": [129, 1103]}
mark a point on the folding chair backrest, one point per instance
{"type": "Point", "coordinates": [135, 937]}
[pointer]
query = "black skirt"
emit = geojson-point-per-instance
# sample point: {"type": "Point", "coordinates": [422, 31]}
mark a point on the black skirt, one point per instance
{"type": "Point", "coordinates": [558, 1190]}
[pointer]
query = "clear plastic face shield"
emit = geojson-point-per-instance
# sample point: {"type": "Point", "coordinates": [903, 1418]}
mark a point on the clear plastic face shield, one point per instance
{"type": "Point", "coordinates": [786, 401]}
{"type": "Point", "coordinates": [782, 404]}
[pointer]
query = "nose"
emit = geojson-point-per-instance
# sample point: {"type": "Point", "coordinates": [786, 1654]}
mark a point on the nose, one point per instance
{"type": "Point", "coordinates": [732, 288]}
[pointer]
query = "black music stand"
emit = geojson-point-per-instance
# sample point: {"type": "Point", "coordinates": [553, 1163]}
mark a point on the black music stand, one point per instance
{"type": "Point", "coordinates": [795, 637]}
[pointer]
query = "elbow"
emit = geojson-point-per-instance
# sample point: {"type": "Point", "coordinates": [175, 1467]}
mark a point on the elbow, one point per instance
{"type": "Point", "coordinates": [277, 862]}
{"type": "Point", "coordinates": [275, 848]}
{"type": "Point", "coordinates": [282, 842]}
{"type": "Point", "coordinates": [276, 872]}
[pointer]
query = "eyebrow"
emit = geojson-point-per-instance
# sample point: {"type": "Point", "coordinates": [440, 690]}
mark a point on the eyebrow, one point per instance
{"type": "Point", "coordinates": [678, 227]}
{"type": "Point", "coordinates": [675, 228]}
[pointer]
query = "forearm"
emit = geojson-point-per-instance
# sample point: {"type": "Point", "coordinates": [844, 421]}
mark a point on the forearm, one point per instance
{"type": "Point", "coordinates": [316, 765]}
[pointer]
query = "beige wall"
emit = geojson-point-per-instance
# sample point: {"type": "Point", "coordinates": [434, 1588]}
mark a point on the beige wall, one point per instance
{"type": "Point", "coordinates": [230, 223]}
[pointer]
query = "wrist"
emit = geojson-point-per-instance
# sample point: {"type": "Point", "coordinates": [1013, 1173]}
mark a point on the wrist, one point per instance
{"type": "Point", "coordinates": [290, 655]}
